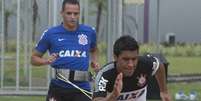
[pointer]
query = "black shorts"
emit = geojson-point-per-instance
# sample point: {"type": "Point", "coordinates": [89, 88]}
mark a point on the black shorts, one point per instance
{"type": "Point", "coordinates": [57, 93]}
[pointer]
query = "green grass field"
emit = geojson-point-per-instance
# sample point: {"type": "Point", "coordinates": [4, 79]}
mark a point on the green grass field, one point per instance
{"type": "Point", "coordinates": [183, 65]}
{"type": "Point", "coordinates": [178, 65]}
{"type": "Point", "coordinates": [22, 98]}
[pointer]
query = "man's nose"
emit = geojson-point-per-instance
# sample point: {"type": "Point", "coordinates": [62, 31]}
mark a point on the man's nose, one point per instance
{"type": "Point", "coordinates": [130, 64]}
{"type": "Point", "coordinates": [72, 15]}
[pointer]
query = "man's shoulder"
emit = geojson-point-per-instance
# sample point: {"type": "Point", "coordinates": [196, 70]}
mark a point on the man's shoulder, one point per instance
{"type": "Point", "coordinates": [85, 27]}
{"type": "Point", "coordinates": [55, 29]}
{"type": "Point", "coordinates": [144, 62]}
{"type": "Point", "coordinates": [148, 63]}
{"type": "Point", "coordinates": [146, 58]}
{"type": "Point", "coordinates": [107, 69]}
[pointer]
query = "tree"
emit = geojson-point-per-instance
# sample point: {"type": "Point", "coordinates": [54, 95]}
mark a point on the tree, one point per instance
{"type": "Point", "coordinates": [101, 5]}
{"type": "Point", "coordinates": [34, 19]}
{"type": "Point", "coordinates": [8, 12]}
{"type": "Point", "coordinates": [6, 22]}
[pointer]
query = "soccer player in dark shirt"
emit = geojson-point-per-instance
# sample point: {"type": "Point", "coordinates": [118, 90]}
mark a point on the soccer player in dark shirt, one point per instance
{"type": "Point", "coordinates": [126, 78]}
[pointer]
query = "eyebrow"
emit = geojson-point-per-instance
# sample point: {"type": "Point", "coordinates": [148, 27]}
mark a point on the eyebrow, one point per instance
{"type": "Point", "coordinates": [72, 12]}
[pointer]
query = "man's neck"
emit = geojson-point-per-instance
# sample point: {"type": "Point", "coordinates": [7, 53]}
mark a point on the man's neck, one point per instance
{"type": "Point", "coordinates": [70, 28]}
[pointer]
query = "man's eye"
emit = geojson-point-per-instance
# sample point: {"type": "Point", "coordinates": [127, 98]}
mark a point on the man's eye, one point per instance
{"type": "Point", "coordinates": [70, 13]}
{"type": "Point", "coordinates": [126, 59]}
{"type": "Point", "coordinates": [75, 13]}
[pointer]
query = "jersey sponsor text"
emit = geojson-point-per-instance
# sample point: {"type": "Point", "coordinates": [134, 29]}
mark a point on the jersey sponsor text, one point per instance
{"type": "Point", "coordinates": [133, 95]}
{"type": "Point", "coordinates": [102, 84]}
{"type": "Point", "coordinates": [72, 53]}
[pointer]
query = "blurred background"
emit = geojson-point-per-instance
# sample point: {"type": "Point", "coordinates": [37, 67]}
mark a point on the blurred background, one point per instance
{"type": "Point", "coordinates": [169, 29]}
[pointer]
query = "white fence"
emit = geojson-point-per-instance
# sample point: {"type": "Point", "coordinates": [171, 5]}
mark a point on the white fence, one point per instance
{"type": "Point", "coordinates": [18, 35]}
{"type": "Point", "coordinates": [22, 22]}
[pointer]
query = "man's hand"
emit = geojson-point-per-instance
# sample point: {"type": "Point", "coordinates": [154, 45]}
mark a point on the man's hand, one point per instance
{"type": "Point", "coordinates": [165, 96]}
{"type": "Point", "coordinates": [52, 58]}
{"type": "Point", "coordinates": [95, 66]}
{"type": "Point", "coordinates": [118, 85]}
{"type": "Point", "coordinates": [38, 60]}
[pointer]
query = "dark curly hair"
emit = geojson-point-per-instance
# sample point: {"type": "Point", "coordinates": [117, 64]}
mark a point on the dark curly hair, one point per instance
{"type": "Point", "coordinates": [125, 43]}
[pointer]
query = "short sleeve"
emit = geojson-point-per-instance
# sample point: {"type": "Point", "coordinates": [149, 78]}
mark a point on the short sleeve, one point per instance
{"type": "Point", "coordinates": [154, 63]}
{"type": "Point", "coordinates": [100, 86]}
{"type": "Point", "coordinates": [93, 38]}
{"type": "Point", "coordinates": [43, 44]}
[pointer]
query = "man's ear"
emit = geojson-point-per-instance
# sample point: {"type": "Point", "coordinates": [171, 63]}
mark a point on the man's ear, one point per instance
{"type": "Point", "coordinates": [115, 57]}
{"type": "Point", "coordinates": [61, 12]}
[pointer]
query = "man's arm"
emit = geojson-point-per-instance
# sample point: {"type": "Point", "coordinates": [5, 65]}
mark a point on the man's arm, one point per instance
{"type": "Point", "coordinates": [38, 60]}
{"type": "Point", "coordinates": [94, 59]}
{"type": "Point", "coordinates": [109, 97]}
{"type": "Point", "coordinates": [161, 79]}
{"type": "Point", "coordinates": [116, 90]}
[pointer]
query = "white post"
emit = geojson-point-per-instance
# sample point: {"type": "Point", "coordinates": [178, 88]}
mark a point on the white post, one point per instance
{"type": "Point", "coordinates": [55, 10]}
{"type": "Point", "coordinates": [120, 14]}
{"type": "Point", "coordinates": [30, 43]}
{"type": "Point", "coordinates": [2, 43]}
{"type": "Point", "coordinates": [114, 24]}
{"type": "Point", "coordinates": [136, 22]}
{"type": "Point", "coordinates": [109, 31]}
{"type": "Point", "coordinates": [18, 45]}
{"type": "Point", "coordinates": [49, 24]}
{"type": "Point", "coordinates": [25, 39]}
{"type": "Point", "coordinates": [81, 11]}
{"type": "Point", "coordinates": [158, 27]}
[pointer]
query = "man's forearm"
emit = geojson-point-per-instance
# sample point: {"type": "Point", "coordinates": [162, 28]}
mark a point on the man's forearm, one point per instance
{"type": "Point", "coordinates": [110, 97]}
{"type": "Point", "coordinates": [38, 61]}
{"type": "Point", "coordinates": [94, 54]}
{"type": "Point", "coordinates": [161, 78]}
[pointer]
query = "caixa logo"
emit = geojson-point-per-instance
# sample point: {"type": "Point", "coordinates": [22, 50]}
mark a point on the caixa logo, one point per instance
{"type": "Point", "coordinates": [130, 96]}
{"type": "Point", "coordinates": [72, 53]}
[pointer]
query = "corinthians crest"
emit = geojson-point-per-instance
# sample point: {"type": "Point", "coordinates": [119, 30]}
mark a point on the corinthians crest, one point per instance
{"type": "Point", "coordinates": [141, 80]}
{"type": "Point", "coordinates": [82, 39]}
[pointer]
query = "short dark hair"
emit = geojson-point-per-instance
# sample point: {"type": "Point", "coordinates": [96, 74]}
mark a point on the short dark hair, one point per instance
{"type": "Point", "coordinates": [125, 43]}
{"type": "Point", "coordinates": [75, 2]}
